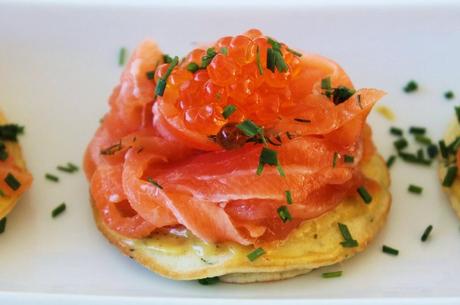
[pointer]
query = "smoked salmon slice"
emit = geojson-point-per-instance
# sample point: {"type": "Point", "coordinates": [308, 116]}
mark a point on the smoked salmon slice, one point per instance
{"type": "Point", "coordinates": [217, 142]}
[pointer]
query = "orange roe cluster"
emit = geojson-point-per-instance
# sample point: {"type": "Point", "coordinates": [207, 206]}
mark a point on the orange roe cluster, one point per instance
{"type": "Point", "coordinates": [236, 75]}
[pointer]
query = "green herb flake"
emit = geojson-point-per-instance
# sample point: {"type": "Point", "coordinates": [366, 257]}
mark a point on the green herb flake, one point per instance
{"type": "Point", "coordinates": [457, 112]}
{"type": "Point", "coordinates": [167, 59]}
{"type": "Point", "coordinates": [12, 182]}
{"type": "Point", "coordinates": [341, 94]}
{"type": "Point", "coordinates": [348, 241]}
{"type": "Point", "coordinates": [269, 157]}
{"type": "Point", "coordinates": [283, 213]}
{"type": "Point", "coordinates": [417, 130]}
{"type": "Point", "coordinates": [391, 160]}
{"type": "Point", "coordinates": [411, 86]}
{"type": "Point", "coordinates": [10, 132]}
{"type": "Point", "coordinates": [426, 233]}
{"type": "Point", "coordinates": [411, 158]}
{"type": "Point", "coordinates": [423, 139]}
{"type": "Point", "coordinates": [288, 197]}
{"type": "Point", "coordinates": [449, 95]}
{"type": "Point", "coordinates": [296, 53]}
{"type": "Point", "coordinates": [415, 189]}
{"type": "Point", "coordinates": [150, 75]}
{"type": "Point", "coordinates": [334, 159]}
{"type": "Point", "coordinates": [3, 152]}
{"type": "Point", "coordinates": [58, 210]}
{"type": "Point", "coordinates": [400, 144]}
{"type": "Point", "coordinates": [326, 83]}
{"type": "Point", "coordinates": [396, 131]}
{"type": "Point", "coordinates": [193, 67]}
{"type": "Point", "coordinates": [443, 149]}
{"type": "Point", "coordinates": [450, 176]}
{"type": "Point", "coordinates": [389, 250]}
{"type": "Point", "coordinates": [348, 159]}
{"type": "Point", "coordinates": [161, 85]}
{"type": "Point", "coordinates": [329, 275]}
{"type": "Point", "coordinates": [224, 50]}
{"type": "Point", "coordinates": [249, 128]}
{"type": "Point", "coordinates": [2, 225]}
{"type": "Point", "coordinates": [51, 177]}
{"type": "Point", "coordinates": [149, 179]}
{"type": "Point", "coordinates": [209, 281]}
{"type": "Point", "coordinates": [111, 149]}
{"type": "Point", "coordinates": [432, 151]}
{"type": "Point", "coordinates": [122, 56]}
{"type": "Point", "coordinates": [68, 168]}
{"type": "Point", "coordinates": [367, 198]}
{"type": "Point", "coordinates": [259, 64]}
{"type": "Point", "coordinates": [256, 254]}
{"type": "Point", "coordinates": [228, 111]}
{"type": "Point", "coordinates": [206, 59]}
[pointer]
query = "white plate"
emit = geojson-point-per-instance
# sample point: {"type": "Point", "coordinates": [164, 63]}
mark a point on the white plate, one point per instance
{"type": "Point", "coordinates": [58, 65]}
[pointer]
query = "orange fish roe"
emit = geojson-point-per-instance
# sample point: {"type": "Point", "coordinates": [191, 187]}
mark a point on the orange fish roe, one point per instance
{"type": "Point", "coordinates": [236, 74]}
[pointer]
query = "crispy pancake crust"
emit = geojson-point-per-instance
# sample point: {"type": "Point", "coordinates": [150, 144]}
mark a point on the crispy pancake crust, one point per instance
{"type": "Point", "coordinates": [13, 148]}
{"type": "Point", "coordinates": [452, 192]}
{"type": "Point", "coordinates": [315, 243]}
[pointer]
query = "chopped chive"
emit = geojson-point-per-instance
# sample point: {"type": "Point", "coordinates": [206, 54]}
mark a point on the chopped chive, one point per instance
{"type": "Point", "coordinates": [249, 128]}
{"type": "Point", "coordinates": [302, 120]}
{"type": "Point", "coordinates": [390, 250]}
{"type": "Point", "coordinates": [193, 67]}
{"type": "Point", "coordinates": [348, 242]}
{"type": "Point", "coordinates": [367, 198]}
{"type": "Point", "coordinates": [417, 130]}
{"type": "Point", "coordinates": [449, 95]}
{"type": "Point", "coordinates": [58, 210]}
{"type": "Point", "coordinates": [457, 112]}
{"type": "Point", "coordinates": [2, 193]}
{"type": "Point", "coordinates": [283, 213]}
{"type": "Point", "coordinates": [326, 83]}
{"type": "Point", "coordinates": [396, 131]}
{"type": "Point", "coordinates": [10, 132]}
{"type": "Point", "coordinates": [122, 56]}
{"type": "Point", "coordinates": [426, 233]}
{"type": "Point", "coordinates": [423, 139]}
{"type": "Point", "coordinates": [2, 225]}
{"type": "Point", "coordinates": [341, 94]}
{"type": "Point", "coordinates": [259, 64]}
{"type": "Point", "coordinates": [280, 64]}
{"type": "Point", "coordinates": [209, 281]}
{"type": "Point", "coordinates": [420, 154]}
{"type": "Point", "coordinates": [167, 59]}
{"type": "Point", "coordinates": [415, 189]}
{"type": "Point", "coordinates": [432, 151]}
{"type": "Point", "coordinates": [256, 254]}
{"type": "Point", "coordinates": [450, 176]}
{"type": "Point", "coordinates": [452, 147]}
{"type": "Point", "coordinates": [206, 59]}
{"type": "Point", "coordinates": [112, 149]}
{"type": "Point", "coordinates": [348, 159]}
{"type": "Point", "coordinates": [411, 86]}
{"type": "Point", "coordinates": [275, 44]}
{"type": "Point", "coordinates": [411, 158]}
{"type": "Point", "coordinates": [271, 60]}
{"type": "Point", "coordinates": [400, 144]}
{"type": "Point", "coordinates": [358, 98]}
{"type": "Point", "coordinates": [149, 179]}
{"type": "Point", "coordinates": [443, 149]}
{"type": "Point", "coordinates": [68, 168]}
{"type": "Point", "coordinates": [328, 275]}
{"type": "Point", "coordinates": [3, 152]}
{"type": "Point", "coordinates": [334, 159]}
{"type": "Point", "coordinates": [391, 160]}
{"type": "Point", "coordinates": [270, 157]}
{"type": "Point", "coordinates": [288, 197]}
{"type": "Point", "coordinates": [51, 177]}
{"type": "Point", "coordinates": [224, 50]}
{"type": "Point", "coordinates": [12, 182]}
{"type": "Point", "coordinates": [228, 111]}
{"type": "Point", "coordinates": [150, 75]}
{"type": "Point", "coordinates": [298, 54]}
{"type": "Point", "coordinates": [161, 85]}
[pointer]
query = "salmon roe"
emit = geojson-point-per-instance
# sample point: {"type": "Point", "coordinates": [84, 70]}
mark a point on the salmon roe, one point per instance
{"type": "Point", "coordinates": [237, 74]}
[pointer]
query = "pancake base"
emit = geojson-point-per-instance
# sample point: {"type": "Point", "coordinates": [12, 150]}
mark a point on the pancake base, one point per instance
{"type": "Point", "coordinates": [315, 243]}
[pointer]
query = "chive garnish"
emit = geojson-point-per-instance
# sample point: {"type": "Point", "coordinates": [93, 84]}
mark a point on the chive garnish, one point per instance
{"type": "Point", "coordinates": [256, 254]}
{"type": "Point", "coordinates": [449, 95]}
{"type": "Point", "coordinates": [224, 50]}
{"type": "Point", "coordinates": [2, 193]}
{"type": "Point", "coordinates": [193, 67]}
{"type": "Point", "coordinates": [161, 85]}
{"type": "Point", "coordinates": [58, 210]}
{"type": "Point", "coordinates": [334, 159]}
{"type": "Point", "coordinates": [68, 168]}
{"type": "Point", "coordinates": [3, 152]}
{"type": "Point", "coordinates": [341, 94]}
{"type": "Point", "coordinates": [348, 242]}
{"type": "Point", "coordinates": [167, 59]}
{"type": "Point", "coordinates": [228, 111]}
{"type": "Point", "coordinates": [411, 86]}
{"type": "Point", "coordinates": [415, 189]}
{"type": "Point", "coordinates": [259, 64]}
{"type": "Point", "coordinates": [121, 56]}
{"type": "Point", "coordinates": [275, 58]}
{"type": "Point", "coordinates": [112, 149]}
{"type": "Point", "coordinates": [149, 179]}
{"type": "Point", "coordinates": [390, 250]}
{"type": "Point", "coordinates": [150, 75]}
{"type": "Point", "coordinates": [457, 112]}
{"type": "Point", "coordinates": [12, 182]}
{"type": "Point", "coordinates": [417, 130]}
{"type": "Point", "coordinates": [452, 147]}
{"type": "Point", "coordinates": [400, 144]}
{"type": "Point", "coordinates": [280, 64]}
{"type": "Point", "coordinates": [432, 151]}
{"type": "Point", "coordinates": [206, 59]}
{"type": "Point", "coordinates": [367, 198]}
{"type": "Point", "coordinates": [288, 197]}
{"type": "Point", "coordinates": [443, 149]}
{"type": "Point", "coordinates": [450, 176]}
{"type": "Point", "coordinates": [283, 213]}
{"type": "Point", "coordinates": [249, 128]}
{"type": "Point", "coordinates": [326, 83]}
{"type": "Point", "coordinates": [298, 54]}
{"type": "Point", "coordinates": [420, 154]}
{"type": "Point", "coordinates": [396, 131]}
{"type": "Point", "coordinates": [270, 157]}
{"type": "Point", "coordinates": [302, 120]}
{"type": "Point", "coordinates": [52, 177]}
{"type": "Point", "coordinates": [2, 225]}
{"type": "Point", "coordinates": [10, 132]}
{"type": "Point", "coordinates": [391, 160]}
{"type": "Point", "coordinates": [426, 233]}
{"type": "Point", "coordinates": [422, 139]}
{"type": "Point", "coordinates": [411, 158]}
{"type": "Point", "coordinates": [348, 159]}
{"type": "Point", "coordinates": [209, 281]}
{"type": "Point", "coordinates": [328, 275]}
